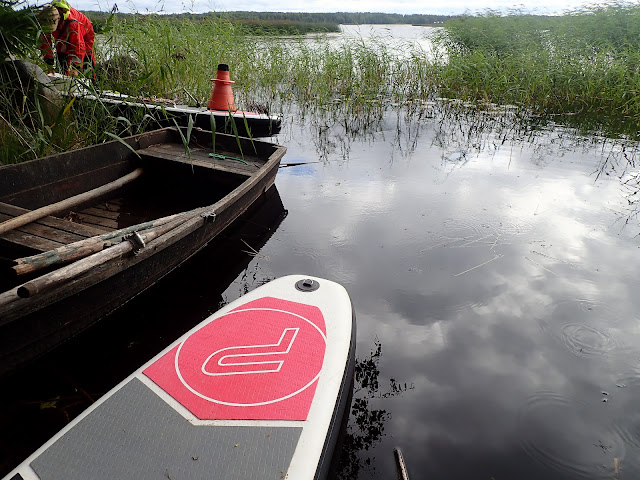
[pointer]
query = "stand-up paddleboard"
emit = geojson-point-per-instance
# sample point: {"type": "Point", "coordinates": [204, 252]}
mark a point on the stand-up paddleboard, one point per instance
{"type": "Point", "coordinates": [256, 391]}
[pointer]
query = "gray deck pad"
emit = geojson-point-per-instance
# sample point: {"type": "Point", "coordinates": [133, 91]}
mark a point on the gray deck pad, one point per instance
{"type": "Point", "coordinates": [135, 434]}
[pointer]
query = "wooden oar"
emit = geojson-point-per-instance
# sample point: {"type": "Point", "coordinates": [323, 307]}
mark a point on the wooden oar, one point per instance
{"type": "Point", "coordinates": [88, 246]}
{"type": "Point", "coordinates": [68, 203]}
{"type": "Point", "coordinates": [50, 280]}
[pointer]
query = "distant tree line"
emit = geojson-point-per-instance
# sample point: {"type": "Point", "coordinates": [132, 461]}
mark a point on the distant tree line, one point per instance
{"type": "Point", "coordinates": [283, 22]}
{"type": "Point", "coordinates": [345, 18]}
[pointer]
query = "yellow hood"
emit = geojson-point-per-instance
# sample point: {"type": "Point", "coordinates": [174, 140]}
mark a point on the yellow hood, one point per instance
{"type": "Point", "coordinates": [63, 6]}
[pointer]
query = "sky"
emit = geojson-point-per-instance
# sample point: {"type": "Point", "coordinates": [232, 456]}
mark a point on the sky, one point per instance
{"type": "Point", "coordinates": [438, 7]}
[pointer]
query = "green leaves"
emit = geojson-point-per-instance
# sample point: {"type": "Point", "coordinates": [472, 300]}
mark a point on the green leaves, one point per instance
{"type": "Point", "coordinates": [584, 62]}
{"type": "Point", "coordinates": [117, 138]}
{"type": "Point", "coordinates": [186, 139]}
{"type": "Point", "coordinates": [18, 28]}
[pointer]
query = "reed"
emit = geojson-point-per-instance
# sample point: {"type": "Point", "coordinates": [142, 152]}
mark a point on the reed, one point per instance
{"type": "Point", "coordinates": [152, 56]}
{"type": "Point", "coordinates": [174, 57]}
{"type": "Point", "coordinates": [584, 62]}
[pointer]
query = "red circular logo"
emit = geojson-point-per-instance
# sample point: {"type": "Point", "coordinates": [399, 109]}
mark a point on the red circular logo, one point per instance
{"type": "Point", "coordinates": [273, 356]}
{"type": "Point", "coordinates": [259, 361]}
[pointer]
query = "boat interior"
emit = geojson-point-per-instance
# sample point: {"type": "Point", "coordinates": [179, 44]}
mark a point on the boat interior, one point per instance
{"type": "Point", "coordinates": [172, 180]}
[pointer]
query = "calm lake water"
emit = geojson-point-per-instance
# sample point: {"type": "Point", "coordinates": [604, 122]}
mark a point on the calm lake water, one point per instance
{"type": "Point", "coordinates": [493, 267]}
{"type": "Point", "coordinates": [399, 39]}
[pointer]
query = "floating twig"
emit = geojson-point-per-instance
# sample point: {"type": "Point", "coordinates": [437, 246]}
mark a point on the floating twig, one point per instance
{"type": "Point", "coordinates": [295, 164]}
{"type": "Point", "coordinates": [444, 244]}
{"type": "Point", "coordinates": [553, 258]}
{"type": "Point", "coordinates": [541, 266]}
{"type": "Point", "coordinates": [253, 252]}
{"type": "Point", "coordinates": [478, 266]}
{"type": "Point", "coordinates": [475, 241]}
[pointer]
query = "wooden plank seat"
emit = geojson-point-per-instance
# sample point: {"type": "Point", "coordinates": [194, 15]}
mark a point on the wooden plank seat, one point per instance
{"type": "Point", "coordinates": [47, 233]}
{"type": "Point", "coordinates": [98, 221]}
{"type": "Point", "coordinates": [246, 166]}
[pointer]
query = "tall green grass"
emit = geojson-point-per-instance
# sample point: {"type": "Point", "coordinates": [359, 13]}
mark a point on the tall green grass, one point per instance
{"type": "Point", "coordinates": [584, 64]}
{"type": "Point", "coordinates": [173, 57]}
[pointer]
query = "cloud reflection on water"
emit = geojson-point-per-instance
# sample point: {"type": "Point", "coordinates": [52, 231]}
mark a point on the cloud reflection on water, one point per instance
{"type": "Point", "coordinates": [471, 259]}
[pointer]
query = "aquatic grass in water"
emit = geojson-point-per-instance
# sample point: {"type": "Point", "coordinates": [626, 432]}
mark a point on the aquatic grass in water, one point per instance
{"type": "Point", "coordinates": [585, 62]}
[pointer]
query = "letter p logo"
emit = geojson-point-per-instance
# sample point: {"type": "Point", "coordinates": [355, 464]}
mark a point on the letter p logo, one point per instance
{"type": "Point", "coordinates": [245, 359]}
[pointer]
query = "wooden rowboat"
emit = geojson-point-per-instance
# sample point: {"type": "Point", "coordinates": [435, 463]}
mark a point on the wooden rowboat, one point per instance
{"type": "Point", "coordinates": [85, 231]}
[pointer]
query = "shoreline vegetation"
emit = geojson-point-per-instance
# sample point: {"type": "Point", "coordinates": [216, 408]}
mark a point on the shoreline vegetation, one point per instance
{"type": "Point", "coordinates": [277, 23]}
{"type": "Point", "coordinates": [581, 69]}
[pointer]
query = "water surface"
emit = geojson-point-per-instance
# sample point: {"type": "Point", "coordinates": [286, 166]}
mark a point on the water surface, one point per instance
{"type": "Point", "coordinates": [493, 270]}
{"type": "Point", "coordinates": [498, 272]}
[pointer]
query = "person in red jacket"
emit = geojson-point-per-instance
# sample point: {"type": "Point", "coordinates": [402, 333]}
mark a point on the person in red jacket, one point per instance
{"type": "Point", "coordinates": [67, 34]}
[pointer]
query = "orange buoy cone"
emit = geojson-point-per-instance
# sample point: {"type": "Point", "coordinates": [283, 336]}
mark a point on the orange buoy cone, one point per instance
{"type": "Point", "coordinates": [222, 95]}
